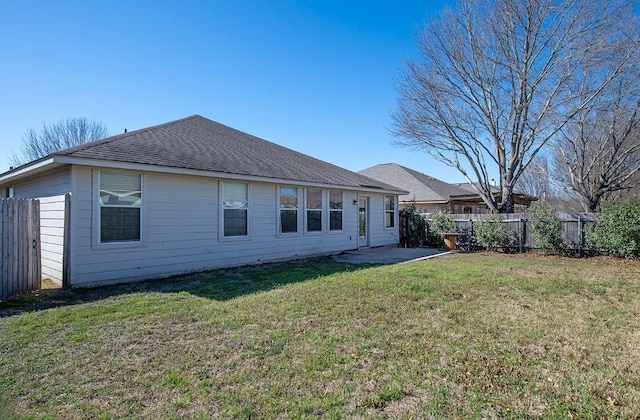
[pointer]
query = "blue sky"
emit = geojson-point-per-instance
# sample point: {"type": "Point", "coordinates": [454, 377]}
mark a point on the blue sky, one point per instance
{"type": "Point", "coordinates": [315, 76]}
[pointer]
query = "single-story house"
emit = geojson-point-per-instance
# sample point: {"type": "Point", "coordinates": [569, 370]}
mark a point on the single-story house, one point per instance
{"type": "Point", "coordinates": [430, 194]}
{"type": "Point", "coordinates": [193, 195]}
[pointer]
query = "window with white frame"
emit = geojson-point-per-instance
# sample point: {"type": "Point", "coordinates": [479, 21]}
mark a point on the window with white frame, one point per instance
{"type": "Point", "coordinates": [314, 210]}
{"type": "Point", "coordinates": [235, 208]}
{"type": "Point", "coordinates": [335, 210]}
{"type": "Point", "coordinates": [120, 203]}
{"type": "Point", "coordinates": [389, 211]}
{"type": "Point", "coordinates": [288, 209]}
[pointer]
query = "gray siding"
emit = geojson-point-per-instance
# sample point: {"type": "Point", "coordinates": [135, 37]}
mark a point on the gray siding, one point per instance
{"type": "Point", "coordinates": [181, 231]}
{"type": "Point", "coordinates": [56, 182]}
{"type": "Point", "coordinates": [381, 235]}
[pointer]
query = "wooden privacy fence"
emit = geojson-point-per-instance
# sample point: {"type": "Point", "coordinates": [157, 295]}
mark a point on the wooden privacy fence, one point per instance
{"type": "Point", "coordinates": [20, 265]}
{"type": "Point", "coordinates": [573, 226]}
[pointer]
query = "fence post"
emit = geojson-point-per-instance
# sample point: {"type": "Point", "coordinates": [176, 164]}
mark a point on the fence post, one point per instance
{"type": "Point", "coordinates": [4, 292]}
{"type": "Point", "coordinates": [37, 252]}
{"type": "Point", "coordinates": [581, 233]}
{"type": "Point", "coordinates": [66, 279]}
{"type": "Point", "coordinates": [520, 234]}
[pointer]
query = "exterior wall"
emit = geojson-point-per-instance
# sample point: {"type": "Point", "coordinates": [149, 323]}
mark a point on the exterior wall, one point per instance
{"type": "Point", "coordinates": [456, 208]}
{"type": "Point", "coordinates": [427, 207]}
{"type": "Point", "coordinates": [180, 222]}
{"type": "Point", "coordinates": [52, 236]}
{"type": "Point", "coordinates": [379, 234]}
{"type": "Point", "coordinates": [56, 182]}
{"type": "Point", "coordinates": [469, 208]}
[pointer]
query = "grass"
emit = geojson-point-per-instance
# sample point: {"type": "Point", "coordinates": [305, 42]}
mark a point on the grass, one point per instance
{"type": "Point", "coordinates": [467, 335]}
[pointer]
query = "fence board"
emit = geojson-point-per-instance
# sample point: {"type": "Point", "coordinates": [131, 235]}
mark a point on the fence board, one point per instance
{"type": "Point", "coordinates": [4, 262]}
{"type": "Point", "coordinates": [23, 250]}
{"type": "Point", "coordinates": [20, 264]}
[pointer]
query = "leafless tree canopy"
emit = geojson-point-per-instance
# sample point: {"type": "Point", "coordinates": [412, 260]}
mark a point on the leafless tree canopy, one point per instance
{"type": "Point", "coordinates": [598, 153]}
{"type": "Point", "coordinates": [496, 80]}
{"type": "Point", "coordinates": [536, 179]}
{"type": "Point", "coordinates": [50, 138]}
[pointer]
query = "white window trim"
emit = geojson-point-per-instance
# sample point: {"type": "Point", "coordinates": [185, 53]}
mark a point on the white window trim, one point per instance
{"type": "Point", "coordinates": [96, 222]}
{"type": "Point", "coordinates": [221, 236]}
{"type": "Point", "coordinates": [322, 211]}
{"type": "Point", "coordinates": [299, 217]}
{"type": "Point", "coordinates": [395, 212]}
{"type": "Point", "coordinates": [329, 210]}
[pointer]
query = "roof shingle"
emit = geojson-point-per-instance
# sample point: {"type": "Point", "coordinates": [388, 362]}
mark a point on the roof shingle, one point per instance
{"type": "Point", "coordinates": [198, 143]}
{"type": "Point", "coordinates": [421, 187]}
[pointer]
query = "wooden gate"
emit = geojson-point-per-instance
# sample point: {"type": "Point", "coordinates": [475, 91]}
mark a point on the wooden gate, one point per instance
{"type": "Point", "coordinates": [20, 263]}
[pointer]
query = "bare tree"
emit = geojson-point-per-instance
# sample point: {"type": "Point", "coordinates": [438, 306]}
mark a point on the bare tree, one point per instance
{"type": "Point", "coordinates": [598, 154]}
{"type": "Point", "coordinates": [60, 135]}
{"type": "Point", "coordinates": [539, 179]}
{"type": "Point", "coordinates": [492, 84]}
{"type": "Point", "coordinates": [536, 179]}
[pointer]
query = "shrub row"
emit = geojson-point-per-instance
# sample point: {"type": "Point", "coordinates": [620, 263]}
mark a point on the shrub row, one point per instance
{"type": "Point", "coordinates": [616, 231]}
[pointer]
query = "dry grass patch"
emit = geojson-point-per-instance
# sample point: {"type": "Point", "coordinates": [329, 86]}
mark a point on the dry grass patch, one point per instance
{"type": "Point", "coordinates": [472, 335]}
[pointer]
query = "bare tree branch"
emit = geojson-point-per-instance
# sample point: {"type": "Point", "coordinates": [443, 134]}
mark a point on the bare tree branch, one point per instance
{"type": "Point", "coordinates": [598, 154]}
{"type": "Point", "coordinates": [496, 80]}
{"type": "Point", "coordinates": [60, 135]}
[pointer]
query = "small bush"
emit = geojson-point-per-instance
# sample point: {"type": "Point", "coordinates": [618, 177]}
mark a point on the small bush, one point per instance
{"type": "Point", "coordinates": [491, 233]}
{"type": "Point", "coordinates": [617, 229]}
{"type": "Point", "coordinates": [545, 227]}
{"type": "Point", "coordinates": [414, 227]}
{"type": "Point", "coordinates": [441, 222]}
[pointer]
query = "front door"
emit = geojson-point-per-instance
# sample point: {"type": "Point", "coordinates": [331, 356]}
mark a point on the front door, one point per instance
{"type": "Point", "coordinates": [363, 222]}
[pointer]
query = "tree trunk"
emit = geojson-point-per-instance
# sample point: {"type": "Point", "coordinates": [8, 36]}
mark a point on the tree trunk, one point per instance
{"type": "Point", "coordinates": [507, 205]}
{"type": "Point", "coordinates": [506, 198]}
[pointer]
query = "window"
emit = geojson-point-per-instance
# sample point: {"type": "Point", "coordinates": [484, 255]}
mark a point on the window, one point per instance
{"type": "Point", "coordinates": [335, 210]}
{"type": "Point", "coordinates": [288, 209]}
{"type": "Point", "coordinates": [314, 210]}
{"type": "Point", "coordinates": [389, 211]}
{"type": "Point", "coordinates": [120, 202]}
{"type": "Point", "coordinates": [235, 206]}
{"type": "Point", "coordinates": [9, 192]}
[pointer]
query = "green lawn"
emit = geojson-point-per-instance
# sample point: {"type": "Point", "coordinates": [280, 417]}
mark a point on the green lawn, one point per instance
{"type": "Point", "coordinates": [466, 335]}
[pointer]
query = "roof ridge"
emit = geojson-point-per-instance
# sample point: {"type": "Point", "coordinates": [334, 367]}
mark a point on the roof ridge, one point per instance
{"type": "Point", "coordinates": [198, 143]}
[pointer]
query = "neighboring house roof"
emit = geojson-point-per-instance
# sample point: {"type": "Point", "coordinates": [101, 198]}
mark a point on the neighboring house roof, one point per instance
{"type": "Point", "coordinates": [519, 197]}
{"type": "Point", "coordinates": [421, 187]}
{"type": "Point", "coordinates": [197, 143]}
{"type": "Point", "coordinates": [471, 188]}
{"type": "Point", "coordinates": [426, 189]}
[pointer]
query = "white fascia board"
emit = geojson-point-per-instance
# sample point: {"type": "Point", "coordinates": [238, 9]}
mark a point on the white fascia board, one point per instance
{"type": "Point", "coordinates": [28, 170]}
{"type": "Point", "coordinates": [425, 202]}
{"type": "Point", "coordinates": [209, 174]}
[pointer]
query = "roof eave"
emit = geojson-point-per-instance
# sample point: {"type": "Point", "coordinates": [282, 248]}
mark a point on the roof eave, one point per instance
{"type": "Point", "coordinates": [425, 201]}
{"type": "Point", "coordinates": [211, 174]}
{"type": "Point", "coordinates": [30, 169]}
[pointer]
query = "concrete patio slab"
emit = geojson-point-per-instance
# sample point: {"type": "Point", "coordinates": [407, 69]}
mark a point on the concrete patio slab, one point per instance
{"type": "Point", "coordinates": [388, 255]}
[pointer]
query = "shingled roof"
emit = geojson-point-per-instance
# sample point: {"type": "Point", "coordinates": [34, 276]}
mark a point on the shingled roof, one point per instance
{"type": "Point", "coordinates": [198, 143]}
{"type": "Point", "coordinates": [421, 187]}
